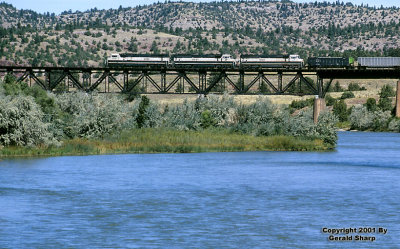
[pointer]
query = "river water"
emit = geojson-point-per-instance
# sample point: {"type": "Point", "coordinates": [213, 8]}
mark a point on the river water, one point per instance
{"type": "Point", "coordinates": [206, 200]}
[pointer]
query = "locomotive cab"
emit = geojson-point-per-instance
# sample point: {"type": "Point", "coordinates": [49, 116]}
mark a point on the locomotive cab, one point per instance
{"type": "Point", "coordinates": [296, 58]}
{"type": "Point", "coordinates": [115, 56]}
{"type": "Point", "coordinates": [228, 58]}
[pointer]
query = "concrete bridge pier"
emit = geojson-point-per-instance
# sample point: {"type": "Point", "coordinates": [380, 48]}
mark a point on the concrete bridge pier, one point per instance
{"type": "Point", "coordinates": [319, 106]}
{"type": "Point", "coordinates": [398, 100]}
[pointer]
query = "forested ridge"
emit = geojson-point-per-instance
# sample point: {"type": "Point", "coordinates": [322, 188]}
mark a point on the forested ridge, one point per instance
{"type": "Point", "coordinates": [235, 27]}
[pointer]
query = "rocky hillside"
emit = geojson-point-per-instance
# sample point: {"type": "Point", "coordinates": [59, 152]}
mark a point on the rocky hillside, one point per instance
{"type": "Point", "coordinates": [251, 27]}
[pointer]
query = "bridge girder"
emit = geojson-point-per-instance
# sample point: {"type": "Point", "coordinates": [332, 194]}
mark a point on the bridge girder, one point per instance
{"type": "Point", "coordinates": [117, 79]}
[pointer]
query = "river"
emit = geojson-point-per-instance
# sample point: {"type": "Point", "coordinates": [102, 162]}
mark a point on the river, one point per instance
{"type": "Point", "coordinates": [207, 200]}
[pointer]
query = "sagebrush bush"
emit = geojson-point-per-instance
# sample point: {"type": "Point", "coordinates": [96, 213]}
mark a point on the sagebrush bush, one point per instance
{"type": "Point", "coordinates": [394, 125]}
{"type": "Point", "coordinates": [362, 119]}
{"type": "Point", "coordinates": [21, 123]}
{"type": "Point", "coordinates": [84, 115]}
{"type": "Point", "coordinates": [92, 115]}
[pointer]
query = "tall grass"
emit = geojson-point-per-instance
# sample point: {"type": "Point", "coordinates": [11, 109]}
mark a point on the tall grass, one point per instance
{"type": "Point", "coordinates": [161, 140]}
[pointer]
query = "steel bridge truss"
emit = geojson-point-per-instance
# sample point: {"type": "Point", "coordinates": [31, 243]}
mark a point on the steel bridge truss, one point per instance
{"type": "Point", "coordinates": [173, 81]}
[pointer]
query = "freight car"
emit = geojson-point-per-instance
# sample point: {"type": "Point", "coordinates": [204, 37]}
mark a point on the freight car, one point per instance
{"type": "Point", "coordinates": [138, 60]}
{"type": "Point", "coordinates": [271, 61]}
{"type": "Point", "coordinates": [330, 62]}
{"type": "Point", "coordinates": [196, 61]}
{"type": "Point", "coordinates": [378, 62]}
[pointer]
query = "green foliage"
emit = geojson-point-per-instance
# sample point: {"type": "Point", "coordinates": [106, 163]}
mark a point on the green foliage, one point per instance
{"type": "Point", "coordinates": [330, 101]}
{"type": "Point", "coordinates": [207, 120]}
{"type": "Point", "coordinates": [239, 37]}
{"type": "Point", "coordinates": [300, 104]}
{"type": "Point", "coordinates": [91, 115]}
{"type": "Point", "coordinates": [21, 123]}
{"type": "Point", "coordinates": [154, 48]}
{"type": "Point", "coordinates": [142, 117]}
{"type": "Point", "coordinates": [385, 103]}
{"type": "Point", "coordinates": [387, 91]}
{"type": "Point", "coordinates": [371, 104]}
{"type": "Point", "coordinates": [347, 95]}
{"type": "Point", "coordinates": [325, 128]}
{"type": "Point", "coordinates": [337, 87]}
{"type": "Point", "coordinates": [170, 141]}
{"type": "Point", "coordinates": [219, 86]}
{"type": "Point", "coordinates": [362, 119]}
{"type": "Point", "coordinates": [11, 87]}
{"type": "Point", "coordinates": [340, 110]}
{"type": "Point", "coordinates": [135, 92]}
{"type": "Point", "coordinates": [355, 87]}
{"type": "Point", "coordinates": [41, 97]}
{"type": "Point", "coordinates": [394, 125]}
{"type": "Point", "coordinates": [264, 88]}
{"type": "Point", "coordinates": [179, 88]}
{"type": "Point", "coordinates": [147, 114]}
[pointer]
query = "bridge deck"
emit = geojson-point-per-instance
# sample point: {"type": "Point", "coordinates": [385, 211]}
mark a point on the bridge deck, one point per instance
{"type": "Point", "coordinates": [81, 77]}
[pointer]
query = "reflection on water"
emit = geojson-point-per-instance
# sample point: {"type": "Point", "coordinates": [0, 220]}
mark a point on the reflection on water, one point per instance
{"type": "Point", "coordinates": [206, 200]}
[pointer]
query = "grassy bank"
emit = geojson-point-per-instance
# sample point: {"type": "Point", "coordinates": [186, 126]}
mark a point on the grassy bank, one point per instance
{"type": "Point", "coordinates": [154, 140]}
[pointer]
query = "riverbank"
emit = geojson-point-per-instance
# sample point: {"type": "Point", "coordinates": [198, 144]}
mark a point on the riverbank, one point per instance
{"type": "Point", "coordinates": [156, 140]}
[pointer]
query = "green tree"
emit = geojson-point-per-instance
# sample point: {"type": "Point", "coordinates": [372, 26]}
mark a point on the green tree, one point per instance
{"type": "Point", "coordinates": [207, 120]}
{"type": "Point", "coordinates": [133, 46]}
{"type": "Point", "coordinates": [142, 115]}
{"type": "Point", "coordinates": [347, 95]}
{"type": "Point", "coordinates": [154, 48]}
{"type": "Point", "coordinates": [264, 88]}
{"type": "Point", "coordinates": [340, 110]}
{"type": "Point", "coordinates": [371, 104]}
{"type": "Point", "coordinates": [385, 103]}
{"type": "Point", "coordinates": [355, 87]}
{"type": "Point", "coordinates": [337, 87]}
{"type": "Point", "coordinates": [330, 101]}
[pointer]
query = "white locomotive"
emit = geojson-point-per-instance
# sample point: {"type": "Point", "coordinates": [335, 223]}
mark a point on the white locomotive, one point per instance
{"type": "Point", "coordinates": [186, 61]}
{"type": "Point", "coordinates": [197, 61]}
{"type": "Point", "coordinates": [291, 61]}
{"type": "Point", "coordinates": [137, 60]}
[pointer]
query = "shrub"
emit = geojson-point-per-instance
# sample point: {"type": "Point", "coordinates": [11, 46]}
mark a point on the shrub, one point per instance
{"type": "Point", "coordinates": [355, 87]}
{"type": "Point", "coordinates": [394, 125]}
{"type": "Point", "coordinates": [330, 101]}
{"type": "Point", "coordinates": [303, 125]}
{"type": "Point", "coordinates": [325, 128]}
{"type": "Point", "coordinates": [347, 95]}
{"type": "Point", "coordinates": [91, 115]}
{"type": "Point", "coordinates": [194, 115]}
{"type": "Point", "coordinates": [207, 120]}
{"type": "Point", "coordinates": [371, 104]}
{"type": "Point", "coordinates": [340, 110]}
{"type": "Point", "coordinates": [362, 119]}
{"type": "Point", "coordinates": [147, 114]}
{"type": "Point", "coordinates": [385, 103]}
{"type": "Point", "coordinates": [299, 104]}
{"type": "Point", "coordinates": [141, 118]}
{"type": "Point", "coordinates": [337, 87]}
{"type": "Point", "coordinates": [183, 117]}
{"type": "Point", "coordinates": [381, 120]}
{"type": "Point", "coordinates": [387, 91]}
{"type": "Point", "coordinates": [21, 123]}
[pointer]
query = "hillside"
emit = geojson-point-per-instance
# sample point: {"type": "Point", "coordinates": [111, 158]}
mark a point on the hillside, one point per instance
{"type": "Point", "coordinates": [266, 27]}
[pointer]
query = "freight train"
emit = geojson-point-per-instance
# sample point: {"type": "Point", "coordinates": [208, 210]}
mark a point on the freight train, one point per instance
{"type": "Point", "coordinates": [226, 61]}
{"type": "Point", "coordinates": [197, 61]}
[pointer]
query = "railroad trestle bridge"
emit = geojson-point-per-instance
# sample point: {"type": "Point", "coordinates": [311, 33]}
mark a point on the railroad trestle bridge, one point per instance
{"type": "Point", "coordinates": [205, 80]}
